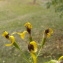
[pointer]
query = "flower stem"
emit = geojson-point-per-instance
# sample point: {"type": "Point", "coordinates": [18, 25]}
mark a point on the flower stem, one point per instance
{"type": "Point", "coordinates": [24, 56]}
{"type": "Point", "coordinates": [42, 44]}
{"type": "Point", "coordinates": [30, 38]}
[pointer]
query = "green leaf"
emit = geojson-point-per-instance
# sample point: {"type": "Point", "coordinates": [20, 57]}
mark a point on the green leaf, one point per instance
{"type": "Point", "coordinates": [16, 45]}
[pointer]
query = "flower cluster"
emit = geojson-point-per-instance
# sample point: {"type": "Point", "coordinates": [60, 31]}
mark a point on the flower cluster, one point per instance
{"type": "Point", "coordinates": [32, 45]}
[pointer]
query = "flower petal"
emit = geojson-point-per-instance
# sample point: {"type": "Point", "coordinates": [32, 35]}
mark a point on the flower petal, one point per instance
{"type": "Point", "coordinates": [9, 44]}
{"type": "Point", "coordinates": [28, 25]}
{"type": "Point", "coordinates": [22, 35]}
{"type": "Point", "coordinates": [48, 32]}
{"type": "Point", "coordinates": [12, 39]}
{"type": "Point", "coordinates": [5, 33]}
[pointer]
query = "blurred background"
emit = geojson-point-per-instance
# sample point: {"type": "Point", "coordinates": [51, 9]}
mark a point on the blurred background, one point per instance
{"type": "Point", "coordinates": [42, 14]}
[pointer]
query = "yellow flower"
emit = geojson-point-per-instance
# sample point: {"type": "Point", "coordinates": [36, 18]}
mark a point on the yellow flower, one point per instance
{"type": "Point", "coordinates": [28, 25]}
{"type": "Point", "coordinates": [32, 47]}
{"type": "Point", "coordinates": [22, 35]}
{"type": "Point", "coordinates": [5, 34]}
{"type": "Point", "coordinates": [12, 39]}
{"type": "Point", "coordinates": [48, 32]}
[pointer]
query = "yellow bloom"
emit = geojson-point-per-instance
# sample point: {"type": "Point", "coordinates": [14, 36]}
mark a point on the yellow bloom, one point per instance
{"type": "Point", "coordinates": [32, 47]}
{"type": "Point", "coordinates": [28, 25]}
{"type": "Point", "coordinates": [5, 34]}
{"type": "Point", "coordinates": [22, 35]}
{"type": "Point", "coordinates": [9, 37]}
{"type": "Point", "coordinates": [48, 32]}
{"type": "Point", "coordinates": [12, 39]}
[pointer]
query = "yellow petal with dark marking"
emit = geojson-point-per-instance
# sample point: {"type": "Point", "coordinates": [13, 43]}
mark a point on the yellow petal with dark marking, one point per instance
{"type": "Point", "coordinates": [48, 32]}
{"type": "Point", "coordinates": [12, 39]}
{"type": "Point", "coordinates": [33, 47]}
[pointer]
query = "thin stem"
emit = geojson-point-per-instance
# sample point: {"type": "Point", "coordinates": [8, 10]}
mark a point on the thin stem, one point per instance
{"type": "Point", "coordinates": [24, 56]}
{"type": "Point", "coordinates": [42, 44]}
{"type": "Point", "coordinates": [39, 52]}
{"type": "Point", "coordinates": [30, 37]}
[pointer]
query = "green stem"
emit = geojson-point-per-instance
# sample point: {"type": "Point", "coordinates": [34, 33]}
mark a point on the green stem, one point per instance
{"type": "Point", "coordinates": [30, 37]}
{"type": "Point", "coordinates": [16, 45]}
{"type": "Point", "coordinates": [42, 44]}
{"type": "Point", "coordinates": [24, 56]}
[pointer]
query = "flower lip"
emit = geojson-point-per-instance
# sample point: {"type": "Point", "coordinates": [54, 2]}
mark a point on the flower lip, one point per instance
{"type": "Point", "coordinates": [46, 31]}
{"type": "Point", "coordinates": [7, 36]}
{"type": "Point", "coordinates": [12, 39]}
{"type": "Point", "coordinates": [30, 47]}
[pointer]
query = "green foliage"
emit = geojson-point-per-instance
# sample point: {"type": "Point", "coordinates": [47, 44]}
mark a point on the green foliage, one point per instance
{"type": "Point", "coordinates": [57, 4]}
